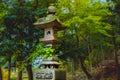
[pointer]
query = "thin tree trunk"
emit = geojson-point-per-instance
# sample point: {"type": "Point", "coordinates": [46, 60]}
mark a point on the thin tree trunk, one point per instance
{"type": "Point", "coordinates": [9, 68]}
{"type": "Point", "coordinates": [89, 49]}
{"type": "Point", "coordinates": [74, 65]}
{"type": "Point", "coordinates": [88, 45]}
{"type": "Point", "coordinates": [29, 71]}
{"type": "Point", "coordinates": [76, 61]}
{"type": "Point", "coordinates": [1, 76]}
{"type": "Point", "coordinates": [19, 74]}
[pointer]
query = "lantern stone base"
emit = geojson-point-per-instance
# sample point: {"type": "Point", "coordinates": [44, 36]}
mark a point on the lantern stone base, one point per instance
{"type": "Point", "coordinates": [50, 74]}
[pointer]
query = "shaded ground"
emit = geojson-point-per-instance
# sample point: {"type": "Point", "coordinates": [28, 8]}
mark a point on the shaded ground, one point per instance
{"type": "Point", "coordinates": [106, 71]}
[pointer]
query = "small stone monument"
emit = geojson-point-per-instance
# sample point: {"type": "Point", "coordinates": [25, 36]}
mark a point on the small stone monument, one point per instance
{"type": "Point", "coordinates": [51, 26]}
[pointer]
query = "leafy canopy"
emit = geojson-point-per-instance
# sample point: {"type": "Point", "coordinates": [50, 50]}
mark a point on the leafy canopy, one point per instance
{"type": "Point", "coordinates": [85, 16]}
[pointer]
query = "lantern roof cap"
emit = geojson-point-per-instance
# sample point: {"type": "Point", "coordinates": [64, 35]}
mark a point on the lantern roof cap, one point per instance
{"type": "Point", "coordinates": [49, 21]}
{"type": "Point", "coordinates": [49, 18]}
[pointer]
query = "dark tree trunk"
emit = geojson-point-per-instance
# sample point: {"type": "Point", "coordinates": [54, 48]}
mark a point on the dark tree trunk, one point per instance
{"type": "Point", "coordinates": [21, 2]}
{"type": "Point", "coordinates": [116, 59]}
{"type": "Point", "coordinates": [29, 71]}
{"type": "Point", "coordinates": [9, 68]}
{"type": "Point", "coordinates": [36, 4]}
{"type": "Point", "coordinates": [81, 59]}
{"type": "Point", "coordinates": [1, 76]}
{"type": "Point", "coordinates": [114, 32]}
{"type": "Point", "coordinates": [76, 62]}
{"type": "Point", "coordinates": [19, 74]}
{"type": "Point", "coordinates": [0, 1]}
{"type": "Point", "coordinates": [84, 69]}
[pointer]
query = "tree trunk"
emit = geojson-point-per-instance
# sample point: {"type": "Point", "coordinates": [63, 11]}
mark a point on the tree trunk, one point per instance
{"type": "Point", "coordinates": [1, 76]}
{"type": "Point", "coordinates": [36, 4]}
{"type": "Point", "coordinates": [21, 2]}
{"type": "Point", "coordinates": [89, 50]}
{"type": "Point", "coordinates": [29, 71]}
{"type": "Point", "coordinates": [0, 1]}
{"type": "Point", "coordinates": [111, 21]}
{"type": "Point", "coordinates": [19, 74]}
{"type": "Point", "coordinates": [76, 62]}
{"type": "Point", "coordinates": [9, 68]}
{"type": "Point", "coordinates": [81, 59]}
{"type": "Point", "coordinates": [84, 69]}
{"type": "Point", "coordinates": [116, 59]}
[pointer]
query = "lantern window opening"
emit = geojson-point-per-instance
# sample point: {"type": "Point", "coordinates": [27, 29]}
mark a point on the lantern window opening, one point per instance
{"type": "Point", "coordinates": [48, 32]}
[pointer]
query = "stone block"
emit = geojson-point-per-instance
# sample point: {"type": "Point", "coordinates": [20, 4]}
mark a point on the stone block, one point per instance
{"type": "Point", "coordinates": [49, 74]}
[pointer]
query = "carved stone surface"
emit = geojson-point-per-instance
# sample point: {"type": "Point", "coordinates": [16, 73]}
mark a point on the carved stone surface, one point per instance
{"type": "Point", "coordinates": [50, 74]}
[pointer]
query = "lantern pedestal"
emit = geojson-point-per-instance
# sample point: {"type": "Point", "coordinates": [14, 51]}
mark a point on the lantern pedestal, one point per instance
{"type": "Point", "coordinates": [50, 71]}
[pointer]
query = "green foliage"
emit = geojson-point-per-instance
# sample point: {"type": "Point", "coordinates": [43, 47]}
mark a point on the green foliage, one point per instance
{"type": "Point", "coordinates": [83, 16]}
{"type": "Point", "coordinates": [6, 46]}
{"type": "Point", "coordinates": [42, 51]}
{"type": "Point", "coordinates": [2, 61]}
{"type": "Point", "coordinates": [87, 35]}
{"type": "Point", "coordinates": [96, 57]}
{"type": "Point", "coordinates": [3, 11]}
{"type": "Point", "coordinates": [87, 30]}
{"type": "Point", "coordinates": [84, 20]}
{"type": "Point", "coordinates": [118, 40]}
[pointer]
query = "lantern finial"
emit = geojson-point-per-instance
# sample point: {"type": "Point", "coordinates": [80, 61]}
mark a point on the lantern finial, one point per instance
{"type": "Point", "coordinates": [51, 10]}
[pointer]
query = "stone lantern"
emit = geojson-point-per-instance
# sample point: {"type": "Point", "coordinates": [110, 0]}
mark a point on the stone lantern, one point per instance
{"type": "Point", "coordinates": [51, 26]}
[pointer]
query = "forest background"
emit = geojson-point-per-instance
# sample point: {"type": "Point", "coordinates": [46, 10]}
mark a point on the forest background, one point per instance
{"type": "Point", "coordinates": [92, 34]}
